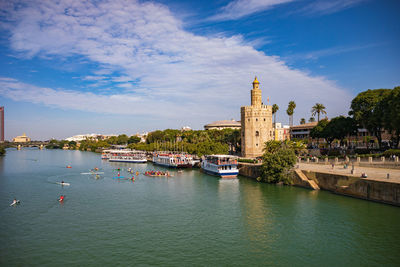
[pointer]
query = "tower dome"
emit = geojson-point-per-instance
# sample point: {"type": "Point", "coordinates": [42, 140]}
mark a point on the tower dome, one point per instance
{"type": "Point", "coordinates": [256, 81]}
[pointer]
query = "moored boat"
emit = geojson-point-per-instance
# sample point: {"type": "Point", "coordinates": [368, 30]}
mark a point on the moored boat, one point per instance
{"type": "Point", "coordinates": [173, 160]}
{"type": "Point", "coordinates": [128, 156]}
{"type": "Point", "coordinates": [224, 166]}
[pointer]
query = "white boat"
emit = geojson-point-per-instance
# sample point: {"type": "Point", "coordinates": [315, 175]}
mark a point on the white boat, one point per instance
{"type": "Point", "coordinates": [61, 183]}
{"type": "Point", "coordinates": [105, 154]}
{"type": "Point", "coordinates": [132, 156]}
{"type": "Point", "coordinates": [173, 160]}
{"type": "Point", "coordinates": [224, 166]}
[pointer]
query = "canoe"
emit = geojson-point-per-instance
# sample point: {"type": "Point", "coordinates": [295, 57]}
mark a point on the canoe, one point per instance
{"type": "Point", "coordinates": [62, 183]}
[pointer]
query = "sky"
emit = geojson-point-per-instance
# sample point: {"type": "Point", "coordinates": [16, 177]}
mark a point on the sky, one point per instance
{"type": "Point", "coordinates": [124, 66]}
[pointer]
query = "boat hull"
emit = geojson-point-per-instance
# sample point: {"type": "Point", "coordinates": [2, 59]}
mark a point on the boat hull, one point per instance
{"type": "Point", "coordinates": [173, 166]}
{"type": "Point", "coordinates": [128, 160]}
{"type": "Point", "coordinates": [226, 175]}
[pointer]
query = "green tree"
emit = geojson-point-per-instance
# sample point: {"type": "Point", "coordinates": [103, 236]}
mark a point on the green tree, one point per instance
{"type": "Point", "coordinates": [275, 109]}
{"type": "Point", "coordinates": [278, 160]}
{"type": "Point", "coordinates": [311, 119]}
{"type": "Point", "coordinates": [122, 139]}
{"type": "Point", "coordinates": [318, 109]}
{"type": "Point", "coordinates": [319, 130]}
{"type": "Point", "coordinates": [2, 150]}
{"type": "Point", "coordinates": [55, 144]}
{"type": "Point", "coordinates": [134, 139]}
{"type": "Point", "coordinates": [302, 121]}
{"type": "Point", "coordinates": [368, 112]}
{"type": "Point", "coordinates": [290, 111]}
{"type": "Point", "coordinates": [340, 127]}
{"type": "Point", "coordinates": [391, 104]}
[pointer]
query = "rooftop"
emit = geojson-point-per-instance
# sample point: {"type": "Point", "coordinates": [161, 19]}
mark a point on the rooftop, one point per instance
{"type": "Point", "coordinates": [224, 123]}
{"type": "Point", "coordinates": [308, 125]}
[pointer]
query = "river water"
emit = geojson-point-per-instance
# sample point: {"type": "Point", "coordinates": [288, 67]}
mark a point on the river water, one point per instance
{"type": "Point", "coordinates": [189, 219]}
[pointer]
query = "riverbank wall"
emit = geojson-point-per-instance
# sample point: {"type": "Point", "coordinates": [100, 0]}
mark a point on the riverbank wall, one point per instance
{"type": "Point", "coordinates": [374, 190]}
{"type": "Point", "coordinates": [250, 170]}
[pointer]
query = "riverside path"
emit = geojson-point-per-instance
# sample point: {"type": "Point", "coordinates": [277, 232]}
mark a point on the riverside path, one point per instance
{"type": "Point", "coordinates": [378, 174]}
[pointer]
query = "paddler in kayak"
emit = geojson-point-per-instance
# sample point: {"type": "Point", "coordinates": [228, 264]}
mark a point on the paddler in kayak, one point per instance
{"type": "Point", "coordinates": [61, 198]}
{"type": "Point", "coordinates": [15, 201]}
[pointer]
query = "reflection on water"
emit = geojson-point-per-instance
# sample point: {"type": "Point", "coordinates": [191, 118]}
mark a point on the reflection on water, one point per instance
{"type": "Point", "coordinates": [257, 216]}
{"type": "Point", "coordinates": [228, 186]}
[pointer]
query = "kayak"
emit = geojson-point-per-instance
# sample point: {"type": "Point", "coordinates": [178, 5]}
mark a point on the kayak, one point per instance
{"type": "Point", "coordinates": [15, 203]}
{"type": "Point", "coordinates": [119, 177]}
{"type": "Point", "coordinates": [62, 183]}
{"type": "Point", "coordinates": [92, 172]}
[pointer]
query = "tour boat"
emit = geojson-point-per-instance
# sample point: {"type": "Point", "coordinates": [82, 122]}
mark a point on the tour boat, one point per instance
{"type": "Point", "coordinates": [127, 156]}
{"type": "Point", "coordinates": [173, 160]}
{"type": "Point", "coordinates": [105, 154]}
{"type": "Point", "coordinates": [224, 166]}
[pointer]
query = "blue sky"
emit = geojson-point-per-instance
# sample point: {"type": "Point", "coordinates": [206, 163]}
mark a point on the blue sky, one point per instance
{"type": "Point", "coordinates": [122, 66]}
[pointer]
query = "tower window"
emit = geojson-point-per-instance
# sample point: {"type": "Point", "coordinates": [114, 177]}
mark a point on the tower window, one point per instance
{"type": "Point", "coordinates": [264, 119]}
{"type": "Point", "coordinates": [248, 119]}
{"type": "Point", "coordinates": [257, 133]}
{"type": "Point", "coordinates": [256, 144]}
{"type": "Point", "coordinates": [256, 119]}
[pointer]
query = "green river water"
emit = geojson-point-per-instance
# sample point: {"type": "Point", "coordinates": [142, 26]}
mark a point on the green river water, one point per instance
{"type": "Point", "coordinates": [191, 219]}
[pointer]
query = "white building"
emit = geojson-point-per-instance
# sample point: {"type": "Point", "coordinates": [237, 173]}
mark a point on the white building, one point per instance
{"type": "Point", "coordinates": [81, 137]}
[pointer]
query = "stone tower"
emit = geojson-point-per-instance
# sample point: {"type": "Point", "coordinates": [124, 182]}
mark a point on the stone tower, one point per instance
{"type": "Point", "coordinates": [256, 121]}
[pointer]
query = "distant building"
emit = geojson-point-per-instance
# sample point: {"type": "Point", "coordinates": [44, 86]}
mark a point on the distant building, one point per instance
{"type": "Point", "coordinates": [256, 124]}
{"type": "Point", "coordinates": [21, 139]}
{"type": "Point", "coordinates": [219, 125]}
{"type": "Point", "coordinates": [142, 136]}
{"type": "Point", "coordinates": [302, 131]}
{"type": "Point", "coordinates": [186, 128]}
{"type": "Point", "coordinates": [281, 133]}
{"type": "Point", "coordinates": [1, 124]}
{"type": "Point", "coordinates": [94, 137]}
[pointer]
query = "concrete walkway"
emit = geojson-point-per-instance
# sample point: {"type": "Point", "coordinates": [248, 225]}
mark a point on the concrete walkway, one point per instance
{"type": "Point", "coordinates": [378, 174]}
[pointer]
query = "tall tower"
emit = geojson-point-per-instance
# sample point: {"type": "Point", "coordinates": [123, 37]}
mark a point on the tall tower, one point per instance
{"type": "Point", "coordinates": [256, 122]}
{"type": "Point", "coordinates": [1, 124]}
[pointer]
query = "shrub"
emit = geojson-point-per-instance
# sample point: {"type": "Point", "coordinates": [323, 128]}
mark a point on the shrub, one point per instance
{"type": "Point", "coordinates": [334, 153]}
{"type": "Point", "coordinates": [391, 152]}
{"type": "Point", "coordinates": [247, 160]}
{"type": "Point", "coordinates": [278, 160]}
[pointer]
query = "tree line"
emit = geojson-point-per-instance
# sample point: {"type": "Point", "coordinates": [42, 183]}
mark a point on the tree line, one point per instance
{"type": "Point", "coordinates": [199, 142]}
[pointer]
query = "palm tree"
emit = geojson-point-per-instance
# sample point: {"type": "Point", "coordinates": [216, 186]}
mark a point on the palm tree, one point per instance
{"type": "Point", "coordinates": [318, 109]}
{"type": "Point", "coordinates": [312, 119]}
{"type": "Point", "coordinates": [275, 108]}
{"type": "Point", "coordinates": [290, 111]}
{"type": "Point", "coordinates": [302, 121]}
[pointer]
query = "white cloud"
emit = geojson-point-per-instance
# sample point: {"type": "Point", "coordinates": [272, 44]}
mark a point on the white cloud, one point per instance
{"type": "Point", "coordinates": [332, 51]}
{"type": "Point", "coordinates": [241, 8]}
{"type": "Point", "coordinates": [177, 74]}
{"type": "Point", "coordinates": [324, 7]}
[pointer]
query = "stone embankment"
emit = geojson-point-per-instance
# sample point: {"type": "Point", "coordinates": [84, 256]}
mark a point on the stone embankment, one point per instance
{"type": "Point", "coordinates": [382, 185]}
